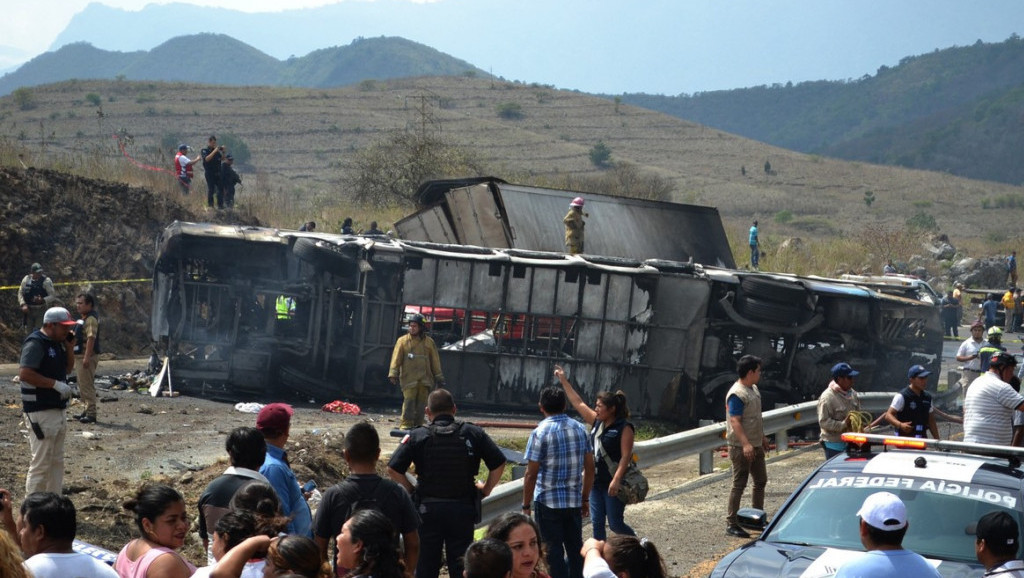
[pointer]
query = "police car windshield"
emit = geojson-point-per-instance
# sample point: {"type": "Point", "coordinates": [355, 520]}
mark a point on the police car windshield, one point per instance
{"type": "Point", "coordinates": [940, 513]}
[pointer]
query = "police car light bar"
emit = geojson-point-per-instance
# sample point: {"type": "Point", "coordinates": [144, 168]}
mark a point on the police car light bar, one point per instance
{"type": "Point", "coordinates": [930, 444]}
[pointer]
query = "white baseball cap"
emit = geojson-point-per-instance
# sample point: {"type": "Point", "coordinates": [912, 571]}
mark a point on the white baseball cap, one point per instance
{"type": "Point", "coordinates": [884, 511]}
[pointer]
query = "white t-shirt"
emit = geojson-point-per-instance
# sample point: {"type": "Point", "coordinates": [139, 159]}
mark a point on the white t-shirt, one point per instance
{"type": "Point", "coordinates": [988, 410]}
{"type": "Point", "coordinates": [971, 347]}
{"type": "Point", "coordinates": [897, 403]}
{"type": "Point", "coordinates": [73, 565]}
{"type": "Point", "coordinates": [251, 570]}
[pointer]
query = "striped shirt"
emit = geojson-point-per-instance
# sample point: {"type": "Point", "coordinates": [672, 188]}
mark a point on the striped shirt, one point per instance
{"type": "Point", "coordinates": [559, 445]}
{"type": "Point", "coordinates": [988, 411]}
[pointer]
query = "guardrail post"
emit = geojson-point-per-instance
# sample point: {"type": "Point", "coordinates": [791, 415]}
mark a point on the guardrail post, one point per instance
{"type": "Point", "coordinates": [707, 458]}
{"type": "Point", "coordinates": [782, 440]}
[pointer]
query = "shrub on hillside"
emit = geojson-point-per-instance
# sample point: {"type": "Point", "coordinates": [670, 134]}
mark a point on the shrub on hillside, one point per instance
{"type": "Point", "coordinates": [783, 217]}
{"type": "Point", "coordinates": [510, 110]}
{"type": "Point", "coordinates": [601, 155]}
{"type": "Point", "coordinates": [24, 98]}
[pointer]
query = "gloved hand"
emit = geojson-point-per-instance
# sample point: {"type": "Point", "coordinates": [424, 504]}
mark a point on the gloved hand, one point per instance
{"type": "Point", "coordinates": [63, 389]}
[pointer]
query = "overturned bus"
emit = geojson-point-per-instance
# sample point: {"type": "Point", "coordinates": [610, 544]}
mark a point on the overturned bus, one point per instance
{"type": "Point", "coordinates": [245, 311]}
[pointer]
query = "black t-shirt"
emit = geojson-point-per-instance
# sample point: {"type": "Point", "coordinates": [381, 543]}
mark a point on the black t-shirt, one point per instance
{"type": "Point", "coordinates": [336, 504]}
{"type": "Point", "coordinates": [214, 501]}
{"type": "Point", "coordinates": [211, 167]}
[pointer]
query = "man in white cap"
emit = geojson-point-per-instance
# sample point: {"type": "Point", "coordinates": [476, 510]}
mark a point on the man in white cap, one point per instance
{"type": "Point", "coordinates": [574, 227]}
{"type": "Point", "coordinates": [883, 523]}
{"type": "Point", "coordinates": [47, 355]}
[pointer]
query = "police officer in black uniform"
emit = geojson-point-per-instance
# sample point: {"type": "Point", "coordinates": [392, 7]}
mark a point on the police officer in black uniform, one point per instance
{"type": "Point", "coordinates": [911, 413]}
{"type": "Point", "coordinates": [34, 296]}
{"type": "Point", "coordinates": [447, 456]}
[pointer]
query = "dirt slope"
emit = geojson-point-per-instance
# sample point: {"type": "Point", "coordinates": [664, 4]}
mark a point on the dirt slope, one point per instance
{"type": "Point", "coordinates": [85, 233]}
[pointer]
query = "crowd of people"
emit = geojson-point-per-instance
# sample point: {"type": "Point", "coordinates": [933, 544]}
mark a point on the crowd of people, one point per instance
{"type": "Point", "coordinates": [254, 519]}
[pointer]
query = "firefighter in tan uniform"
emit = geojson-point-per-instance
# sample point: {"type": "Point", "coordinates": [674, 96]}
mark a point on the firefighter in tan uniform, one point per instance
{"type": "Point", "coordinates": [416, 367]}
{"type": "Point", "coordinates": [574, 227]}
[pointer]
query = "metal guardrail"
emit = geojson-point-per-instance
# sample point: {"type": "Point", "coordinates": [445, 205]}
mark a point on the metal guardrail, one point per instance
{"type": "Point", "coordinates": [508, 497]}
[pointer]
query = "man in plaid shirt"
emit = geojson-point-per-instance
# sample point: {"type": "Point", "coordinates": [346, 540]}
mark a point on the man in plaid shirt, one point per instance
{"type": "Point", "coordinates": [559, 474]}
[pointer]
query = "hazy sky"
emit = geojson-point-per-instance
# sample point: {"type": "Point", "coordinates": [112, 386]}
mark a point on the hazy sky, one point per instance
{"type": "Point", "coordinates": [615, 46]}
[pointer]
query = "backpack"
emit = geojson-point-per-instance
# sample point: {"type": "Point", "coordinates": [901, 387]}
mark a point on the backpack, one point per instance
{"type": "Point", "coordinates": [367, 501]}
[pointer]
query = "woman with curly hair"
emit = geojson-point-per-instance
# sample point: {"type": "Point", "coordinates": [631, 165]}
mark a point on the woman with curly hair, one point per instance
{"type": "Point", "coordinates": [622, 556]}
{"type": "Point", "coordinates": [613, 450]}
{"type": "Point", "coordinates": [160, 516]}
{"type": "Point", "coordinates": [522, 535]}
{"type": "Point", "coordinates": [367, 545]}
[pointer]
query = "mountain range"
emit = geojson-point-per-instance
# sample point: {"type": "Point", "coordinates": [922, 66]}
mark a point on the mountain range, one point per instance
{"type": "Point", "coordinates": [220, 59]}
{"type": "Point", "coordinates": [958, 110]}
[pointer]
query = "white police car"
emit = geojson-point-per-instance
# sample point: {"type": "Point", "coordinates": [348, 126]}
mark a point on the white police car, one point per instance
{"type": "Point", "coordinates": [946, 486]}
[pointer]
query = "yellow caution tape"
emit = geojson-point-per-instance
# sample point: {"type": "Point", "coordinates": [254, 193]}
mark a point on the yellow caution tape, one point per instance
{"type": "Point", "coordinates": [78, 283]}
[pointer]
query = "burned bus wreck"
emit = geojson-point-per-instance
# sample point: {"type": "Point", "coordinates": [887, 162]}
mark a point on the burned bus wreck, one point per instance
{"type": "Point", "coordinates": [248, 311]}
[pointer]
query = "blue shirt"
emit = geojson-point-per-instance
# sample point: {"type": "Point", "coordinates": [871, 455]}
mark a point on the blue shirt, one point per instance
{"type": "Point", "coordinates": [560, 445]}
{"type": "Point", "coordinates": [989, 307]}
{"type": "Point", "coordinates": [286, 485]}
{"type": "Point", "coordinates": [753, 235]}
{"type": "Point", "coordinates": [888, 564]}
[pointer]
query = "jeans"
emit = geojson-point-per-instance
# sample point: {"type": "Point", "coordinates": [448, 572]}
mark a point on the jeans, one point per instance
{"type": "Point", "coordinates": [741, 470]}
{"type": "Point", "coordinates": [755, 253]}
{"type": "Point", "coordinates": [561, 529]}
{"type": "Point", "coordinates": [447, 525]}
{"type": "Point", "coordinates": [611, 507]}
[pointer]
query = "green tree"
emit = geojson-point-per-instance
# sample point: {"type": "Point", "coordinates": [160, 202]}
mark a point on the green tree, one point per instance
{"type": "Point", "coordinates": [869, 197]}
{"type": "Point", "coordinates": [93, 98]}
{"type": "Point", "coordinates": [390, 171]}
{"type": "Point", "coordinates": [601, 155]}
{"type": "Point", "coordinates": [24, 98]}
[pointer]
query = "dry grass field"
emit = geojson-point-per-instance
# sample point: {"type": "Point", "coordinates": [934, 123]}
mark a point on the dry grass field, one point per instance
{"type": "Point", "coordinates": [302, 139]}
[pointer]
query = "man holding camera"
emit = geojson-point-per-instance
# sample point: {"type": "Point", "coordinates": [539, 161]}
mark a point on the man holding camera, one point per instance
{"type": "Point", "coordinates": [212, 156]}
{"type": "Point", "coordinates": [47, 355]}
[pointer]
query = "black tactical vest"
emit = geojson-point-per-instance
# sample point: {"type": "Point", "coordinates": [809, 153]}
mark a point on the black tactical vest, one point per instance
{"type": "Point", "coordinates": [915, 410]}
{"type": "Point", "coordinates": [53, 366]}
{"type": "Point", "coordinates": [80, 335]}
{"type": "Point", "coordinates": [451, 464]}
{"type": "Point", "coordinates": [34, 289]}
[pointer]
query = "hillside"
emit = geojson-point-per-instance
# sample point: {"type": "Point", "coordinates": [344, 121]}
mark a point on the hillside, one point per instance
{"type": "Point", "coordinates": [302, 141]}
{"type": "Point", "coordinates": [956, 110]}
{"type": "Point", "coordinates": [90, 236]}
{"type": "Point", "coordinates": [220, 59]}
